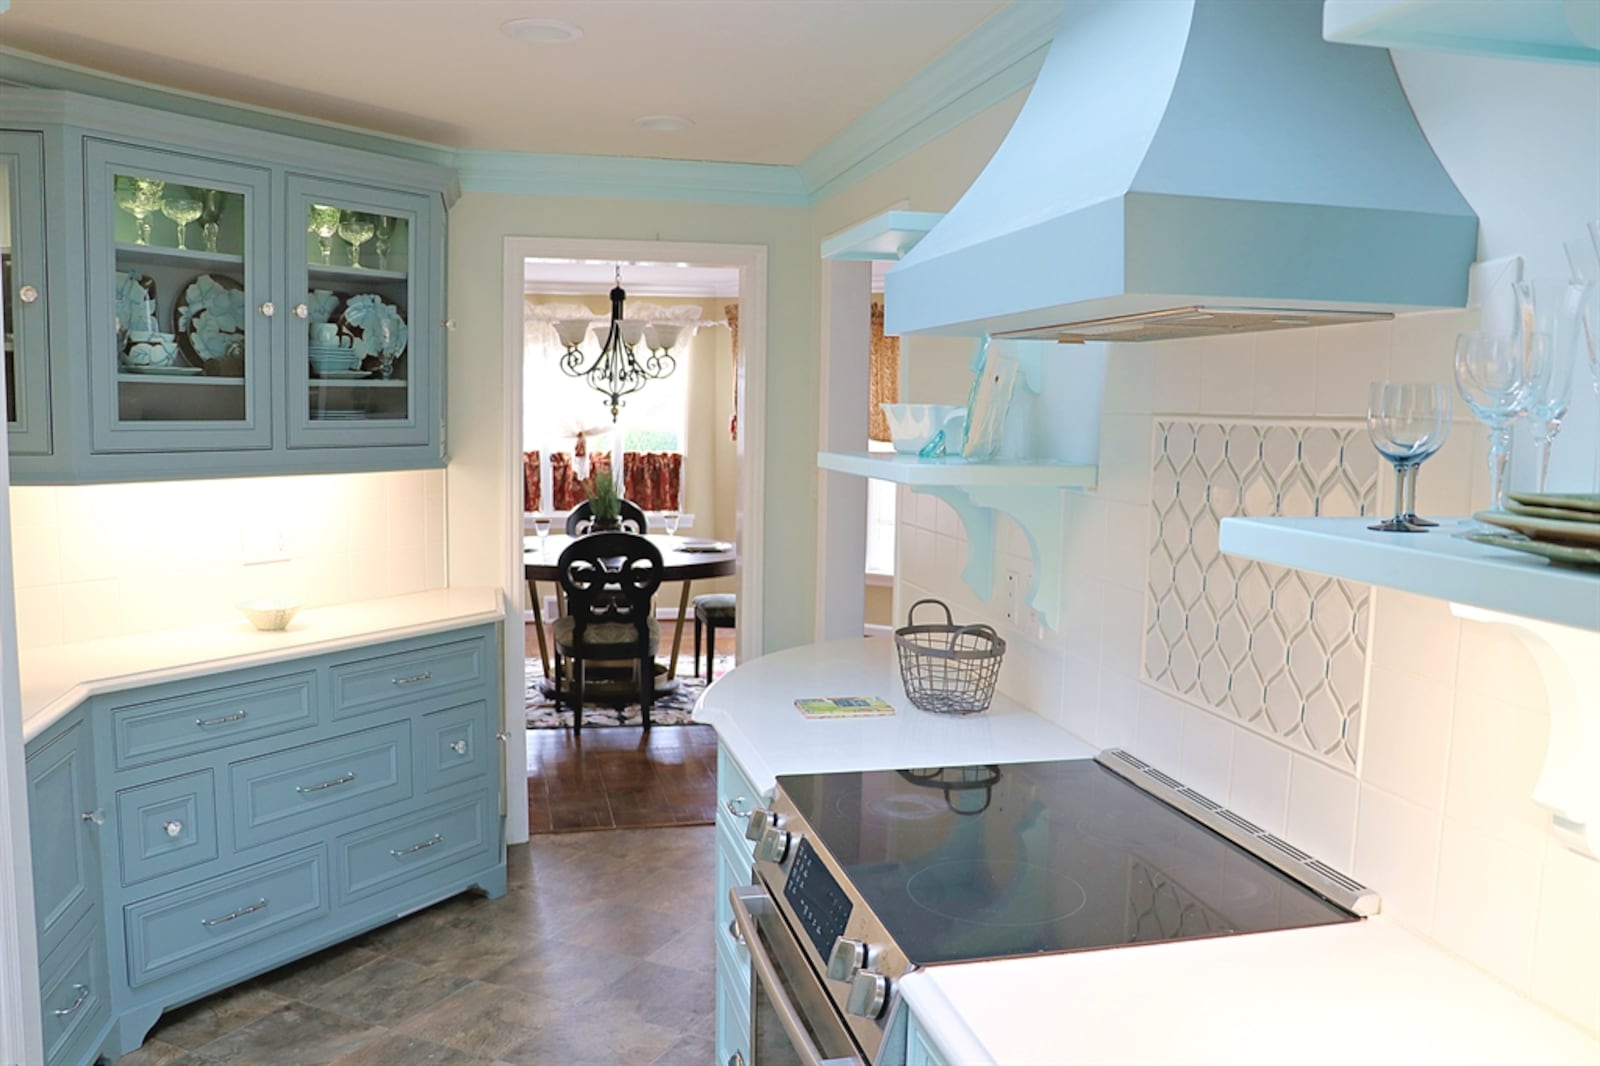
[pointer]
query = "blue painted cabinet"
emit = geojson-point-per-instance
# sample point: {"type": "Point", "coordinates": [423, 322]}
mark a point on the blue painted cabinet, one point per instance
{"type": "Point", "coordinates": [190, 835]}
{"type": "Point", "coordinates": [224, 302]}
{"type": "Point", "coordinates": [736, 798]}
{"type": "Point", "coordinates": [24, 292]}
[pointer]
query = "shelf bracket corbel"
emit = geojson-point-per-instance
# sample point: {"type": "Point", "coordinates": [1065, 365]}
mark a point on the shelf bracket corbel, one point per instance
{"type": "Point", "coordinates": [1569, 781]}
{"type": "Point", "coordinates": [1037, 512]}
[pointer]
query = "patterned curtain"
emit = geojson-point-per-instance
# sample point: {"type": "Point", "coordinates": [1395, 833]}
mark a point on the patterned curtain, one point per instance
{"type": "Point", "coordinates": [651, 479]}
{"type": "Point", "coordinates": [731, 311]}
{"type": "Point", "coordinates": [883, 375]}
{"type": "Point", "coordinates": [566, 490]}
{"type": "Point", "coordinates": [530, 481]}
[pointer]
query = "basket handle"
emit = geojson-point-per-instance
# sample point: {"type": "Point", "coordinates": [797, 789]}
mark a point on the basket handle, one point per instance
{"type": "Point", "coordinates": [911, 614]}
{"type": "Point", "coordinates": [979, 628]}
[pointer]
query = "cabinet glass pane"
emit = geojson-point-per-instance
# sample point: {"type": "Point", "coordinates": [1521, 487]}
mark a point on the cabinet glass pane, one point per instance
{"type": "Point", "coordinates": [8, 226]}
{"type": "Point", "coordinates": [181, 319]}
{"type": "Point", "coordinates": [357, 328]}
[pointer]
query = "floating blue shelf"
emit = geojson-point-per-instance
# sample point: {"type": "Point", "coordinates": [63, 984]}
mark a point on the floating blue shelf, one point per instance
{"type": "Point", "coordinates": [887, 236]}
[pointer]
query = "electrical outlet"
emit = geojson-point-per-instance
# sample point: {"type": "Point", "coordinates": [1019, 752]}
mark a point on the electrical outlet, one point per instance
{"type": "Point", "coordinates": [265, 543]}
{"type": "Point", "coordinates": [1015, 587]}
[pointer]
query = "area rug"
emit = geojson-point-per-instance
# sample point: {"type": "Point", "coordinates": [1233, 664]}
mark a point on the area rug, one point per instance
{"type": "Point", "coordinates": [674, 708]}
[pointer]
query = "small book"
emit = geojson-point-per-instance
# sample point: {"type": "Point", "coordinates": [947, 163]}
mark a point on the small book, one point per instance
{"type": "Point", "coordinates": [844, 707]}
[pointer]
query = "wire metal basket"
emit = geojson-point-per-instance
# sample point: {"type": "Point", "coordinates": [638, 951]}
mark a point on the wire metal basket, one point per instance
{"type": "Point", "coordinates": [948, 669]}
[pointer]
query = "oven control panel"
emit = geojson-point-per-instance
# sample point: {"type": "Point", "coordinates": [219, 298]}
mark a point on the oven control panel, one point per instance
{"type": "Point", "coordinates": [816, 898]}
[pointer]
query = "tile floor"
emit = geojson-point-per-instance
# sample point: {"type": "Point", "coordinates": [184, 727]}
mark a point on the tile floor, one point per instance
{"type": "Point", "coordinates": [601, 952]}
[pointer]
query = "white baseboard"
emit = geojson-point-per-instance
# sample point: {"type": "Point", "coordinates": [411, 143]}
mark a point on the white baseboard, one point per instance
{"type": "Point", "coordinates": [872, 630]}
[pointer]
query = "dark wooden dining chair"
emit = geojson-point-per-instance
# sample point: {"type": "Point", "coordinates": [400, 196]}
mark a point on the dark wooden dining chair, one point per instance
{"type": "Point", "coordinates": [610, 581]}
{"type": "Point", "coordinates": [582, 517]}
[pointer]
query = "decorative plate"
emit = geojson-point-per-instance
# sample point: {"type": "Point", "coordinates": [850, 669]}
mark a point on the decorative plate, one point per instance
{"type": "Point", "coordinates": [165, 371]}
{"type": "Point", "coordinates": [1570, 514]}
{"type": "Point", "coordinates": [209, 322]}
{"type": "Point", "coordinates": [1560, 554]}
{"type": "Point", "coordinates": [1549, 530]}
{"type": "Point", "coordinates": [706, 547]}
{"type": "Point", "coordinates": [135, 299]}
{"type": "Point", "coordinates": [1565, 501]}
{"type": "Point", "coordinates": [321, 305]}
{"type": "Point", "coordinates": [341, 374]}
{"type": "Point", "coordinates": [377, 329]}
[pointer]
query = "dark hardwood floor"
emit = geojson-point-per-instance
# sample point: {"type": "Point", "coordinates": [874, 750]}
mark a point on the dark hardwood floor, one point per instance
{"type": "Point", "coordinates": [622, 776]}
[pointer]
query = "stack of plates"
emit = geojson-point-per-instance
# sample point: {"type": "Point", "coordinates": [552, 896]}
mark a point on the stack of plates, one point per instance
{"type": "Point", "coordinates": [329, 361]}
{"type": "Point", "coordinates": [1562, 527]}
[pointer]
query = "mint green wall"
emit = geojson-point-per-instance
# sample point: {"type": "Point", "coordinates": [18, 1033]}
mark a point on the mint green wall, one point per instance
{"type": "Point", "coordinates": [479, 226]}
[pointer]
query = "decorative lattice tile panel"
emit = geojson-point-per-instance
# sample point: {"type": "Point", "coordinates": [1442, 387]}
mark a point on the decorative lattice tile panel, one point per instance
{"type": "Point", "coordinates": [1279, 651]}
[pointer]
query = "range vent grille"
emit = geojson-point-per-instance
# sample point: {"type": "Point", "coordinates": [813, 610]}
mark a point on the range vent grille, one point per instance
{"type": "Point", "coordinates": [1268, 847]}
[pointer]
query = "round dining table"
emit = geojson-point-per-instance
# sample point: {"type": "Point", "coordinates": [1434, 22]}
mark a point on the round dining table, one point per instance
{"type": "Point", "coordinates": [683, 559]}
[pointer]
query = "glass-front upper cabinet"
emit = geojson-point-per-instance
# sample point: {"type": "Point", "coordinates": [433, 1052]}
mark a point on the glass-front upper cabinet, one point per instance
{"type": "Point", "coordinates": [180, 305]}
{"type": "Point", "coordinates": [361, 343]}
{"type": "Point", "coordinates": [22, 292]}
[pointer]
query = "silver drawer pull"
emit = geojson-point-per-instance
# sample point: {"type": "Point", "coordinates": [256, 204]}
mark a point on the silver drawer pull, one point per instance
{"type": "Point", "coordinates": [240, 913]}
{"type": "Point", "coordinates": [342, 779]}
{"type": "Point", "coordinates": [83, 996]}
{"type": "Point", "coordinates": [173, 827]}
{"type": "Point", "coordinates": [238, 716]}
{"type": "Point", "coordinates": [733, 931]}
{"type": "Point", "coordinates": [737, 806]}
{"type": "Point", "coordinates": [458, 746]}
{"type": "Point", "coordinates": [397, 852]}
{"type": "Point", "coordinates": [414, 678]}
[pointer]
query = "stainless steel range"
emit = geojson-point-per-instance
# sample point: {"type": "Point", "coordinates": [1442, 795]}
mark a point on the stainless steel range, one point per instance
{"type": "Point", "coordinates": [863, 877]}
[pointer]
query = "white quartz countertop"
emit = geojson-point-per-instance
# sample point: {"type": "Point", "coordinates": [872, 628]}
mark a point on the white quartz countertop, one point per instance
{"type": "Point", "coordinates": [56, 679]}
{"type": "Point", "coordinates": [752, 708]}
{"type": "Point", "coordinates": [1363, 992]}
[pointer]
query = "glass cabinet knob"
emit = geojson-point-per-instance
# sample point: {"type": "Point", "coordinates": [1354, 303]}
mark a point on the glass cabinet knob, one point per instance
{"type": "Point", "coordinates": [301, 311]}
{"type": "Point", "coordinates": [449, 324]}
{"type": "Point", "coordinates": [268, 309]}
{"type": "Point", "coordinates": [28, 294]}
{"type": "Point", "coordinates": [173, 827]}
{"type": "Point", "coordinates": [95, 817]}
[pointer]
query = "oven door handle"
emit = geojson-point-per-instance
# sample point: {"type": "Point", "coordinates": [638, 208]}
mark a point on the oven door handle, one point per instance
{"type": "Point", "coordinates": [746, 901]}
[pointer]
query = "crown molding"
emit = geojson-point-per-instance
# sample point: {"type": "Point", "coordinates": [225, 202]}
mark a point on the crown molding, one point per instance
{"type": "Point", "coordinates": [627, 178]}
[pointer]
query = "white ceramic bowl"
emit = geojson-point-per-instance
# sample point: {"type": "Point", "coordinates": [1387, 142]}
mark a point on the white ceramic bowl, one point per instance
{"type": "Point", "coordinates": [269, 613]}
{"type": "Point", "coordinates": [911, 424]}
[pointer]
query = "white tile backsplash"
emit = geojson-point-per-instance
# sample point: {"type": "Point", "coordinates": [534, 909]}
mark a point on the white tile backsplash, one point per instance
{"type": "Point", "coordinates": [1436, 812]}
{"type": "Point", "coordinates": [108, 560]}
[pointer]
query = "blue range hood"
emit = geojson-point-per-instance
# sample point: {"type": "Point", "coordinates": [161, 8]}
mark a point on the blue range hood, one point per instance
{"type": "Point", "coordinates": [1194, 167]}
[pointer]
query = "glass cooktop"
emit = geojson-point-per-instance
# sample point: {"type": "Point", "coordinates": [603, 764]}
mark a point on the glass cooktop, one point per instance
{"type": "Point", "coordinates": [977, 862]}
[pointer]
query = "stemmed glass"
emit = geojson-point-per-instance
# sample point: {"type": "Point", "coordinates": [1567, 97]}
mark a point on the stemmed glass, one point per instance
{"type": "Point", "coordinates": [140, 197]}
{"type": "Point", "coordinates": [541, 526]}
{"type": "Point", "coordinates": [1583, 255]}
{"type": "Point", "coordinates": [355, 229]}
{"type": "Point", "coordinates": [324, 222]}
{"type": "Point", "coordinates": [211, 204]}
{"type": "Point", "coordinates": [1491, 372]}
{"type": "Point", "coordinates": [182, 211]}
{"type": "Point", "coordinates": [385, 226]}
{"type": "Point", "coordinates": [1549, 320]}
{"type": "Point", "coordinates": [1406, 423]}
{"type": "Point", "coordinates": [669, 519]}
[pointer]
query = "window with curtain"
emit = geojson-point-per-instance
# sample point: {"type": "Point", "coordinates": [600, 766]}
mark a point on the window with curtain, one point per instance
{"type": "Point", "coordinates": [883, 386]}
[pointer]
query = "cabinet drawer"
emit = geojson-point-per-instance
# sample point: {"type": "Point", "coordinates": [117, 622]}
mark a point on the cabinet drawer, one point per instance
{"type": "Point", "coordinates": [166, 826]}
{"type": "Point", "coordinates": [211, 718]}
{"type": "Point", "coordinates": [733, 871]}
{"type": "Point", "coordinates": [736, 798]}
{"type": "Point", "coordinates": [63, 827]}
{"type": "Point", "coordinates": [394, 852]}
{"type": "Point", "coordinates": [185, 927]}
{"type": "Point", "coordinates": [74, 999]}
{"type": "Point", "coordinates": [315, 784]}
{"type": "Point", "coordinates": [372, 684]}
{"type": "Point", "coordinates": [456, 746]}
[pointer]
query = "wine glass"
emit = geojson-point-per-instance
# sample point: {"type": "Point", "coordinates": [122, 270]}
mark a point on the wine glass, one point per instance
{"type": "Point", "coordinates": [182, 211]}
{"type": "Point", "coordinates": [1407, 423]}
{"type": "Point", "coordinates": [1583, 255]}
{"type": "Point", "coordinates": [324, 222]}
{"type": "Point", "coordinates": [211, 203]}
{"type": "Point", "coordinates": [541, 526]}
{"type": "Point", "coordinates": [355, 229]}
{"type": "Point", "coordinates": [380, 244]}
{"type": "Point", "coordinates": [669, 519]}
{"type": "Point", "coordinates": [1492, 376]}
{"type": "Point", "coordinates": [1549, 322]}
{"type": "Point", "coordinates": [140, 197]}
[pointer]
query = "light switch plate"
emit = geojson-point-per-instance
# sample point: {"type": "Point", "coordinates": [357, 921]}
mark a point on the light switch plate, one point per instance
{"type": "Point", "coordinates": [263, 544]}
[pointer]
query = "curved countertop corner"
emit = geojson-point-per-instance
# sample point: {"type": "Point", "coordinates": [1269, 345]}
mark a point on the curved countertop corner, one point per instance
{"type": "Point", "coordinates": [752, 708]}
{"type": "Point", "coordinates": [57, 678]}
{"type": "Point", "coordinates": [1364, 991]}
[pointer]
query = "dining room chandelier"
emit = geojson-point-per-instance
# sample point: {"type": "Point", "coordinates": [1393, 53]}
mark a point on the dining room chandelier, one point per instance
{"type": "Point", "coordinates": [616, 372]}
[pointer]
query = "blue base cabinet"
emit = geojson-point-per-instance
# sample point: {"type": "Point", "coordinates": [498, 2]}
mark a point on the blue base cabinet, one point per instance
{"type": "Point", "coordinates": [736, 798]}
{"type": "Point", "coordinates": [231, 823]}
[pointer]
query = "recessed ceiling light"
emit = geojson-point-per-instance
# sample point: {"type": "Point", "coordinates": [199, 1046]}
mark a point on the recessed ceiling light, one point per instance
{"type": "Point", "coordinates": [542, 31]}
{"type": "Point", "coordinates": [663, 123]}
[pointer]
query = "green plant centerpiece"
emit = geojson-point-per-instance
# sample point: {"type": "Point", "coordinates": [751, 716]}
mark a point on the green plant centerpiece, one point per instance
{"type": "Point", "coordinates": [605, 503]}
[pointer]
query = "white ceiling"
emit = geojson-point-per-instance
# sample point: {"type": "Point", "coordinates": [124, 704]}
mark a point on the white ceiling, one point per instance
{"type": "Point", "coordinates": [567, 277]}
{"type": "Point", "coordinates": [764, 81]}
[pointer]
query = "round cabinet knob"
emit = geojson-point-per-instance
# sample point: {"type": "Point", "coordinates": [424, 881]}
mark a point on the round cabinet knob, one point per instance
{"type": "Point", "coordinates": [28, 294]}
{"type": "Point", "coordinates": [773, 846]}
{"type": "Point", "coordinates": [449, 324]}
{"type": "Point", "coordinates": [760, 821]}
{"type": "Point", "coordinates": [847, 959]}
{"type": "Point", "coordinates": [868, 993]}
{"type": "Point", "coordinates": [459, 747]}
{"type": "Point", "coordinates": [269, 309]}
{"type": "Point", "coordinates": [173, 827]}
{"type": "Point", "coordinates": [94, 817]}
{"type": "Point", "coordinates": [302, 311]}
{"type": "Point", "coordinates": [734, 934]}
